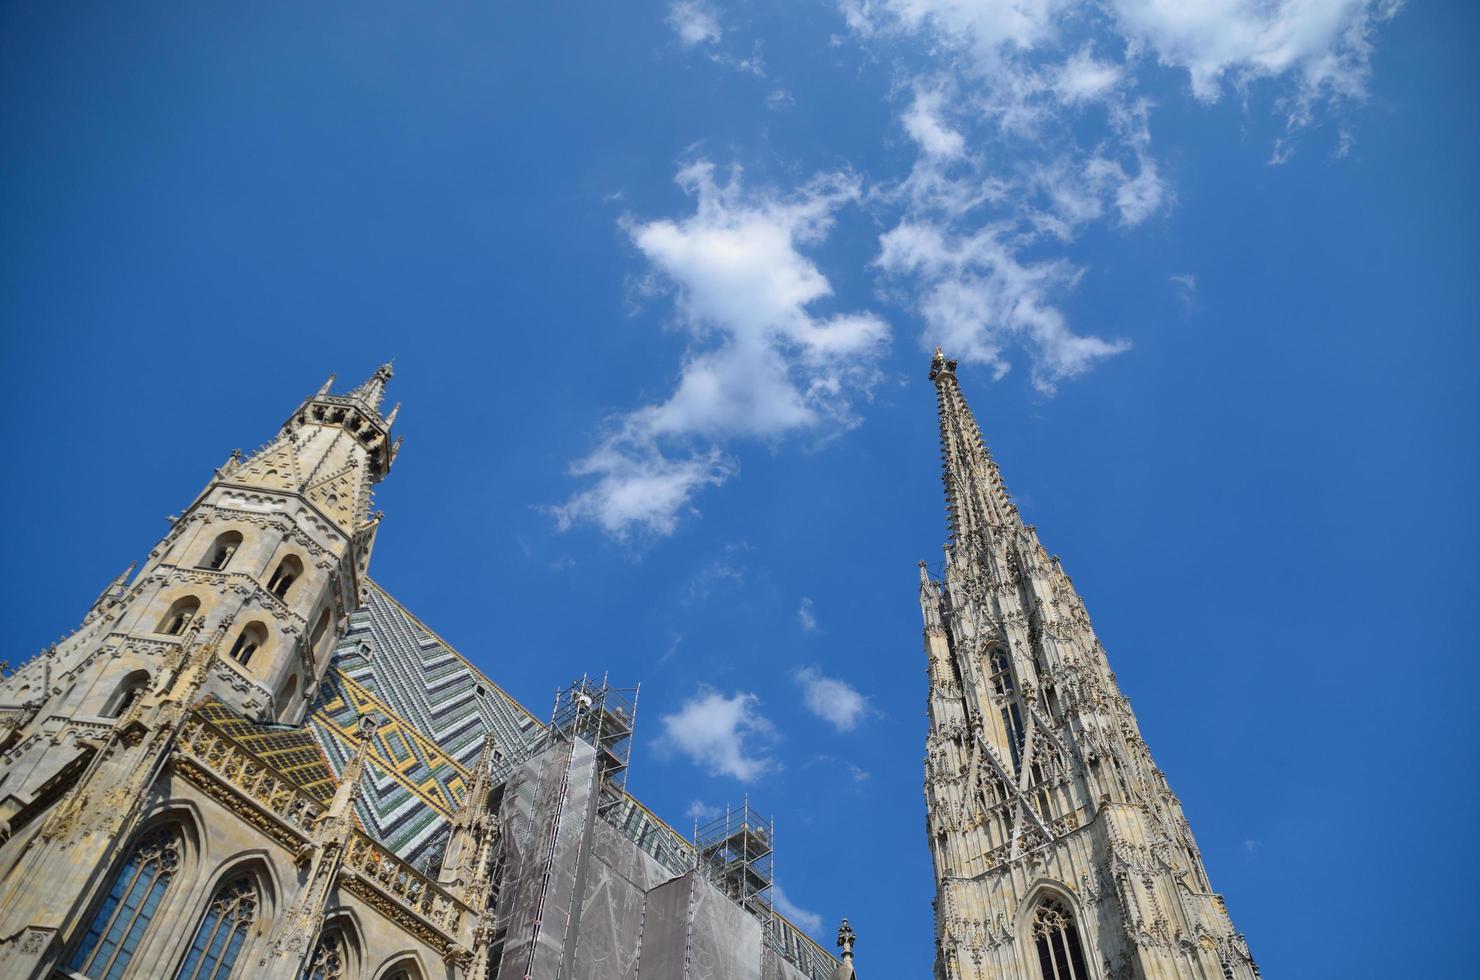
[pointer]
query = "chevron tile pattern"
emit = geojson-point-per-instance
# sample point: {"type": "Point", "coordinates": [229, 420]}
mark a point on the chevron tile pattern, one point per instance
{"type": "Point", "coordinates": [433, 708]}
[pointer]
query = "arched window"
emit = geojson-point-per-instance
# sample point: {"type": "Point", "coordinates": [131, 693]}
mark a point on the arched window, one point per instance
{"type": "Point", "coordinates": [128, 692]}
{"type": "Point", "coordinates": [121, 921]}
{"type": "Point", "coordinates": [320, 628]}
{"type": "Point", "coordinates": [251, 639]}
{"type": "Point", "coordinates": [1012, 719]}
{"type": "Point", "coordinates": [221, 551]}
{"type": "Point", "coordinates": [336, 955]}
{"type": "Point", "coordinates": [1060, 956]}
{"type": "Point", "coordinates": [1001, 672]}
{"type": "Point", "coordinates": [178, 618]}
{"type": "Point", "coordinates": [329, 956]}
{"type": "Point", "coordinates": [222, 931]}
{"type": "Point", "coordinates": [288, 571]}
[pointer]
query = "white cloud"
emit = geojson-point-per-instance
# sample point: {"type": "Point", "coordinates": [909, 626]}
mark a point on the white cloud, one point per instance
{"type": "Point", "coordinates": [1324, 44]}
{"type": "Point", "coordinates": [809, 921]}
{"type": "Point", "coordinates": [1030, 127]}
{"type": "Point", "coordinates": [1186, 291]}
{"type": "Point", "coordinates": [805, 616]}
{"type": "Point", "coordinates": [1084, 79]}
{"type": "Point", "coordinates": [702, 812]}
{"type": "Point", "coordinates": [978, 297]}
{"type": "Point", "coordinates": [763, 365]}
{"type": "Point", "coordinates": [834, 701]}
{"type": "Point", "coordinates": [637, 486]}
{"type": "Point", "coordinates": [926, 127]}
{"type": "Point", "coordinates": [727, 736]}
{"type": "Point", "coordinates": [695, 22]}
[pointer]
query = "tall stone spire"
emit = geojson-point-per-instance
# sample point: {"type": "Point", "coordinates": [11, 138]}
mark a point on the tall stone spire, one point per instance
{"type": "Point", "coordinates": [1059, 850]}
{"type": "Point", "coordinates": [976, 499]}
{"type": "Point", "coordinates": [372, 391]}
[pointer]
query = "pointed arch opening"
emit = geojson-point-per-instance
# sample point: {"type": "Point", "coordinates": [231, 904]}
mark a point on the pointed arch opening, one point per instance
{"type": "Point", "coordinates": [1055, 936]}
{"type": "Point", "coordinates": [1012, 718]}
{"type": "Point", "coordinates": [129, 690]}
{"type": "Point", "coordinates": [223, 930]}
{"type": "Point", "coordinates": [221, 551]}
{"type": "Point", "coordinates": [252, 638]}
{"type": "Point", "coordinates": [129, 905]}
{"type": "Point", "coordinates": [403, 966]}
{"type": "Point", "coordinates": [336, 955]}
{"type": "Point", "coordinates": [289, 570]}
{"type": "Point", "coordinates": [179, 615]}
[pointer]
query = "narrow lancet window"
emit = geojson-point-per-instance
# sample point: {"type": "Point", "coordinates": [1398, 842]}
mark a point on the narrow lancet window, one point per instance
{"type": "Point", "coordinates": [288, 571]}
{"type": "Point", "coordinates": [251, 639]}
{"type": "Point", "coordinates": [133, 898]}
{"type": "Point", "coordinates": [1060, 955]}
{"type": "Point", "coordinates": [222, 931]}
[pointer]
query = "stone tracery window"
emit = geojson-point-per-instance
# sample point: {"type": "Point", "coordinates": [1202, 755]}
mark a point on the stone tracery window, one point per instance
{"type": "Point", "coordinates": [222, 931]}
{"type": "Point", "coordinates": [1012, 719]}
{"type": "Point", "coordinates": [1060, 954]}
{"type": "Point", "coordinates": [133, 898]}
{"type": "Point", "coordinates": [328, 959]}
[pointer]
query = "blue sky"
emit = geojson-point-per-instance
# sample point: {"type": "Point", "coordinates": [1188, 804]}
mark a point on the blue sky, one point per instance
{"type": "Point", "coordinates": [660, 281]}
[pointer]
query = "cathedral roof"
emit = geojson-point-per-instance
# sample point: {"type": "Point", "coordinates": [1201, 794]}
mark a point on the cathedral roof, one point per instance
{"type": "Point", "coordinates": [294, 752]}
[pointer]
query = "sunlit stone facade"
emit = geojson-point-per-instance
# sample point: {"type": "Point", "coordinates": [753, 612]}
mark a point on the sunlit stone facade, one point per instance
{"type": "Point", "coordinates": [250, 760]}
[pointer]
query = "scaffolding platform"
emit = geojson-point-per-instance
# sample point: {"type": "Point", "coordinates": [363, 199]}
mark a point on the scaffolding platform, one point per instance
{"type": "Point", "coordinates": [603, 716]}
{"type": "Point", "coordinates": [735, 852]}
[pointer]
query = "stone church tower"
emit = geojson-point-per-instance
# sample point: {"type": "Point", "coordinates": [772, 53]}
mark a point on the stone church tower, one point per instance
{"type": "Point", "coordinates": [251, 760]}
{"type": "Point", "coordinates": [240, 603]}
{"type": "Point", "coordinates": [1060, 851]}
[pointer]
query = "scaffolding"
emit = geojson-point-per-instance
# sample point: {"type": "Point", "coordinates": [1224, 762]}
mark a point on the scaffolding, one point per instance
{"type": "Point", "coordinates": [603, 716]}
{"type": "Point", "coordinates": [734, 852]}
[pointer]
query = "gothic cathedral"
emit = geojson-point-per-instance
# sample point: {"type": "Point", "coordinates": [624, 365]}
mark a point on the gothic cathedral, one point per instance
{"type": "Point", "coordinates": [251, 760]}
{"type": "Point", "coordinates": [1060, 852]}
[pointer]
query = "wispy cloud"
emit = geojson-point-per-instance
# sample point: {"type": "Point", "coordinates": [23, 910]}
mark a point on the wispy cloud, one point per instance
{"type": "Point", "coordinates": [695, 22]}
{"type": "Point", "coordinates": [1030, 127]}
{"type": "Point", "coordinates": [805, 616]}
{"type": "Point", "coordinates": [762, 365]}
{"type": "Point", "coordinates": [1186, 287]}
{"type": "Point", "coordinates": [721, 572]}
{"type": "Point", "coordinates": [809, 921]}
{"type": "Point", "coordinates": [725, 735]}
{"type": "Point", "coordinates": [834, 701]}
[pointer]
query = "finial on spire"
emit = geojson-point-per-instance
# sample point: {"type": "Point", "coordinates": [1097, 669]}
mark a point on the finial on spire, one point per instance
{"type": "Point", "coordinates": [390, 419]}
{"type": "Point", "coordinates": [940, 364]}
{"type": "Point", "coordinates": [846, 938]}
{"type": "Point", "coordinates": [324, 390]}
{"type": "Point", "coordinates": [373, 390]}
